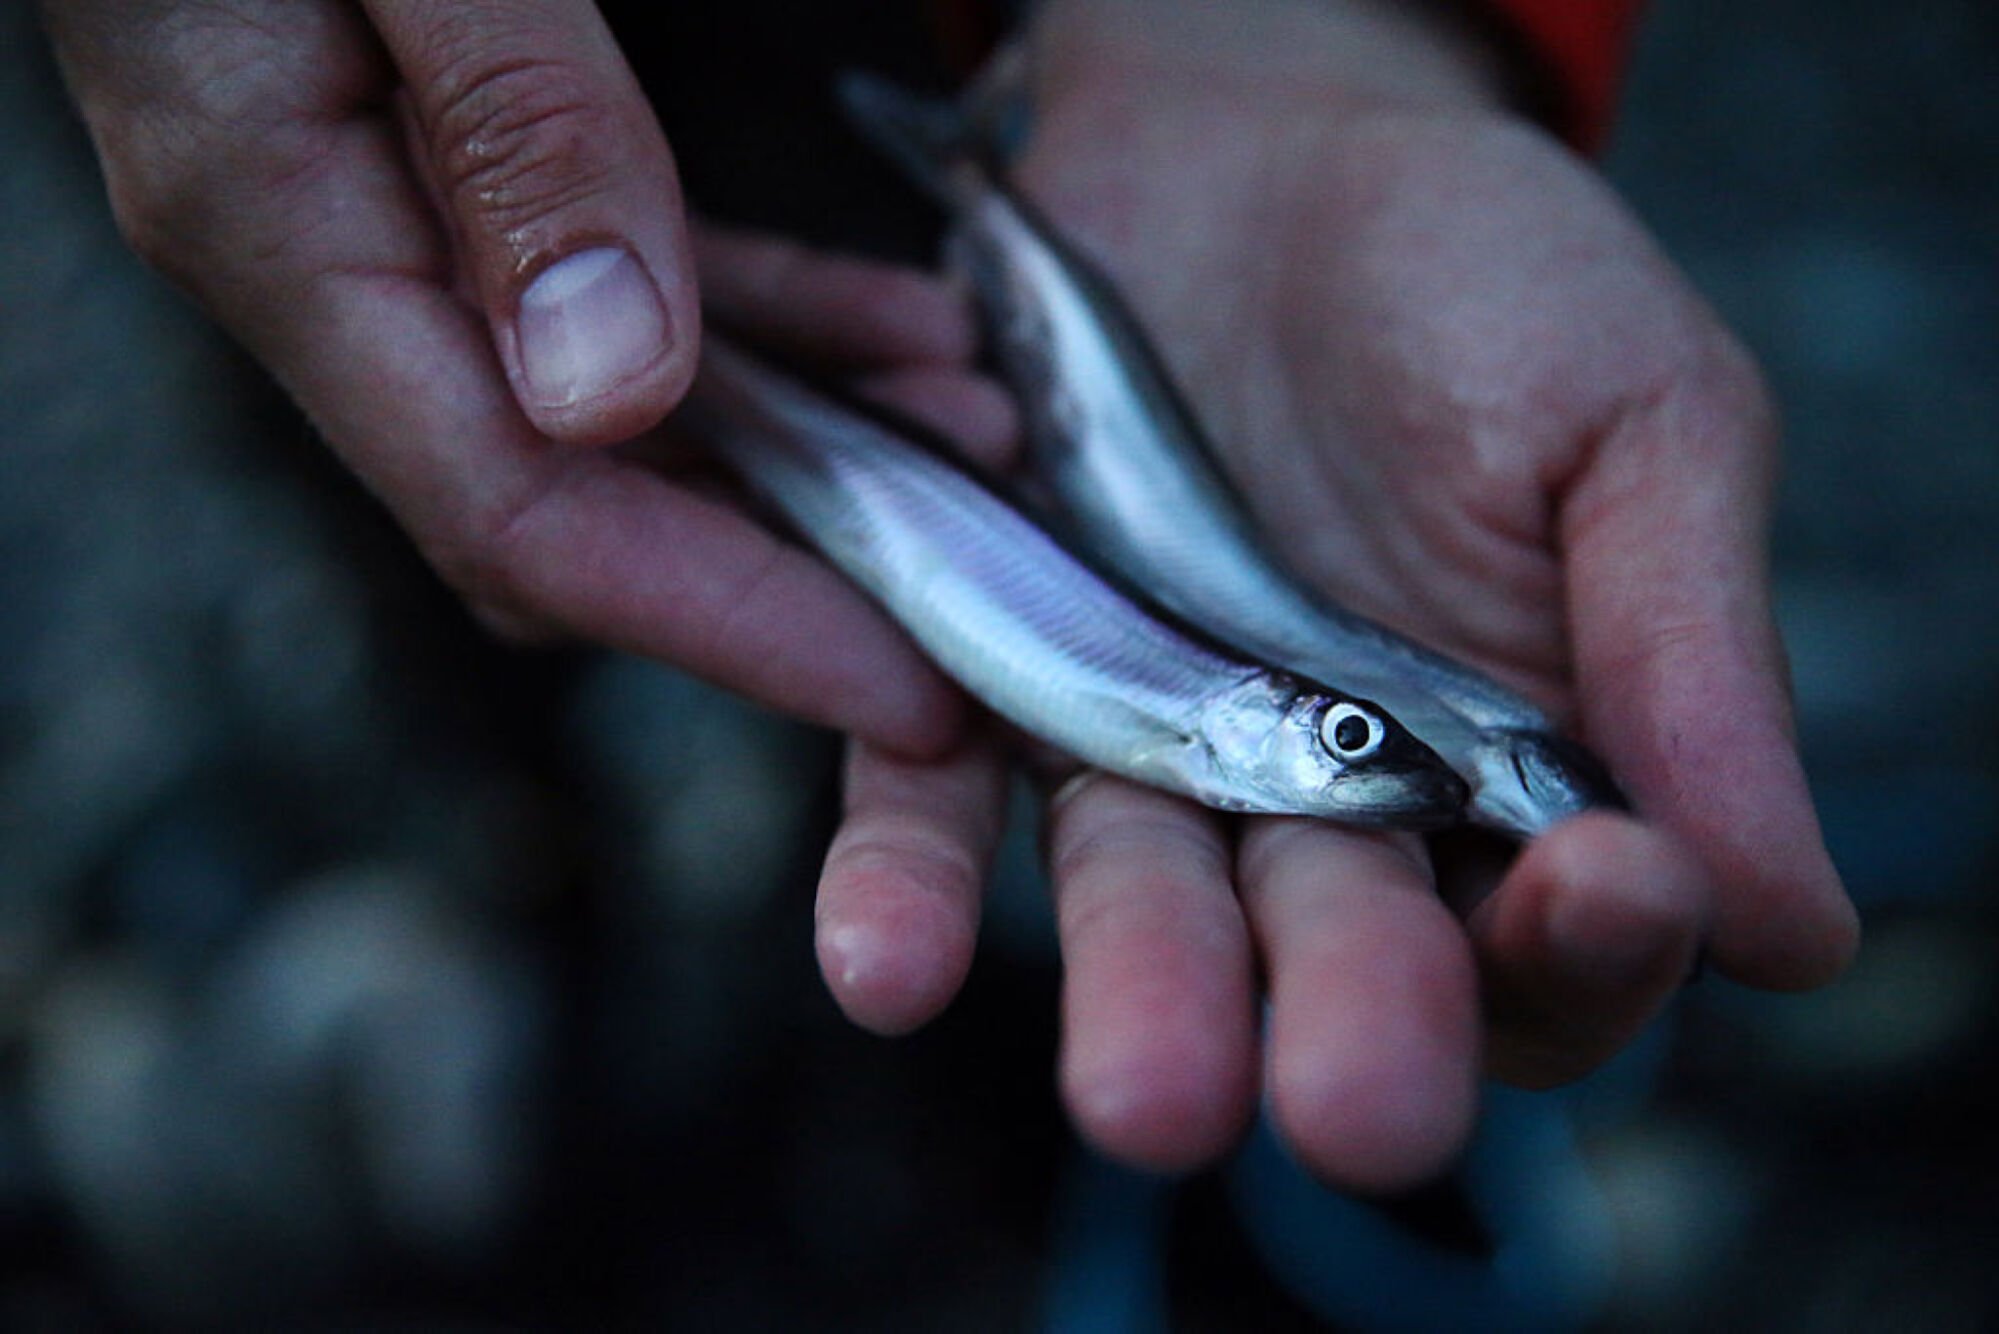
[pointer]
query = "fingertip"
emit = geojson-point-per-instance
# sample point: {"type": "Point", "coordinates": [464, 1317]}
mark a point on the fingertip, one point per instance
{"type": "Point", "coordinates": [600, 348]}
{"type": "Point", "coordinates": [1639, 929]}
{"type": "Point", "coordinates": [1158, 1061]}
{"type": "Point", "coordinates": [1382, 1111]}
{"type": "Point", "coordinates": [1782, 919]}
{"type": "Point", "coordinates": [898, 970]}
{"type": "Point", "coordinates": [1832, 950]}
{"type": "Point", "coordinates": [1158, 1064]}
{"type": "Point", "coordinates": [1807, 946]}
{"type": "Point", "coordinates": [1378, 1126]}
{"type": "Point", "coordinates": [1374, 1019]}
{"type": "Point", "coordinates": [843, 311]}
{"type": "Point", "coordinates": [898, 904]}
{"type": "Point", "coordinates": [974, 413]}
{"type": "Point", "coordinates": [916, 318]}
{"type": "Point", "coordinates": [1168, 1112]}
{"type": "Point", "coordinates": [1594, 929]}
{"type": "Point", "coordinates": [914, 712]}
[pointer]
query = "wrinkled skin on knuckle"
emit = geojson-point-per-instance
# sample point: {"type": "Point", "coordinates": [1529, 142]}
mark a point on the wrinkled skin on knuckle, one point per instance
{"type": "Point", "coordinates": [487, 561]}
{"type": "Point", "coordinates": [201, 115]}
{"type": "Point", "coordinates": [1730, 387]}
{"type": "Point", "coordinates": [512, 144]}
{"type": "Point", "coordinates": [157, 199]}
{"type": "Point", "coordinates": [181, 209]}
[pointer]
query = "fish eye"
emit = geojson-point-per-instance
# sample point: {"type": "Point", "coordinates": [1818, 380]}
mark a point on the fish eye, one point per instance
{"type": "Point", "coordinates": [1350, 732]}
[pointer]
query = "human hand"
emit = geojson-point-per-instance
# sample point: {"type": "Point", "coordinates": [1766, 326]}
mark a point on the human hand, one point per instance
{"type": "Point", "coordinates": [455, 235]}
{"type": "Point", "coordinates": [1465, 393]}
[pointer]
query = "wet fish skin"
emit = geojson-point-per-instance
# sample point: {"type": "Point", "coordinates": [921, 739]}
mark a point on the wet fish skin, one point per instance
{"type": "Point", "coordinates": [1039, 637]}
{"type": "Point", "coordinates": [1126, 460]}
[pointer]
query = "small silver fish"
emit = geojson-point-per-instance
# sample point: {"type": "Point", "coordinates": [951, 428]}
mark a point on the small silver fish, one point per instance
{"type": "Point", "coordinates": [1041, 639]}
{"type": "Point", "coordinates": [1123, 456]}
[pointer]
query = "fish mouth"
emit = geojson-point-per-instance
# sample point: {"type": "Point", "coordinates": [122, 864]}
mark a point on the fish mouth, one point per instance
{"type": "Point", "coordinates": [1417, 797]}
{"type": "Point", "coordinates": [1558, 771]}
{"type": "Point", "coordinates": [1528, 782]}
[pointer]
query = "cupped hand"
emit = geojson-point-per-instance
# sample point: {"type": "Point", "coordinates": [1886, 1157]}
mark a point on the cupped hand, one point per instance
{"type": "Point", "coordinates": [454, 233]}
{"type": "Point", "coordinates": [1465, 394]}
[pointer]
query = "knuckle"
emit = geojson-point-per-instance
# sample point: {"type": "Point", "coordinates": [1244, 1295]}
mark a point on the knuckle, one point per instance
{"type": "Point", "coordinates": [165, 199]}
{"type": "Point", "coordinates": [1712, 379]}
{"type": "Point", "coordinates": [1715, 367]}
{"type": "Point", "coordinates": [488, 562]}
{"type": "Point", "coordinates": [922, 860]}
{"type": "Point", "coordinates": [1671, 643]}
{"type": "Point", "coordinates": [513, 625]}
{"type": "Point", "coordinates": [1160, 849]}
{"type": "Point", "coordinates": [148, 213]}
{"type": "Point", "coordinates": [517, 140]}
{"type": "Point", "coordinates": [1718, 407]}
{"type": "Point", "coordinates": [774, 266]}
{"type": "Point", "coordinates": [1738, 385]}
{"type": "Point", "coordinates": [197, 127]}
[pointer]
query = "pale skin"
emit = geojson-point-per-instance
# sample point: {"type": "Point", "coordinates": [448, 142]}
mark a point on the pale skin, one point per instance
{"type": "Point", "coordinates": [1456, 380]}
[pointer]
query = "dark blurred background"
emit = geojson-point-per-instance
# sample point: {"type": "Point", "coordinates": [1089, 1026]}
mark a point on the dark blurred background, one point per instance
{"type": "Point", "coordinates": [358, 971]}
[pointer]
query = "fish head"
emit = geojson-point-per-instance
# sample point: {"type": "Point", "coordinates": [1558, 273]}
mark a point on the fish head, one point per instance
{"type": "Point", "coordinates": [1525, 781]}
{"type": "Point", "coordinates": [1349, 760]}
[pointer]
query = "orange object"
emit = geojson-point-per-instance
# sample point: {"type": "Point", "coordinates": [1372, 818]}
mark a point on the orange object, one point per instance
{"type": "Point", "coordinates": [1585, 46]}
{"type": "Point", "coordinates": [1581, 47]}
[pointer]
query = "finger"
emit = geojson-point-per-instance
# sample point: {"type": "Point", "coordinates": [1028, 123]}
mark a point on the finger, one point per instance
{"type": "Point", "coordinates": [1594, 928]}
{"type": "Point", "coordinates": [908, 338]}
{"type": "Point", "coordinates": [564, 203]}
{"type": "Point", "coordinates": [252, 154]}
{"type": "Point", "coordinates": [899, 897]}
{"type": "Point", "coordinates": [970, 411]}
{"type": "Point", "coordinates": [1158, 1030]}
{"type": "Point", "coordinates": [1681, 673]}
{"type": "Point", "coordinates": [844, 312]}
{"type": "Point", "coordinates": [606, 551]}
{"type": "Point", "coordinates": [1374, 1023]}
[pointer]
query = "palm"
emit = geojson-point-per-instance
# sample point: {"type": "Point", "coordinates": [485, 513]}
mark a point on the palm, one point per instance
{"type": "Point", "coordinates": [1402, 348]}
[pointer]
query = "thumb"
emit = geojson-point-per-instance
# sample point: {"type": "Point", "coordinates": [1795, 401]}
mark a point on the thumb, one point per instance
{"type": "Point", "coordinates": [561, 191]}
{"type": "Point", "coordinates": [1683, 675]}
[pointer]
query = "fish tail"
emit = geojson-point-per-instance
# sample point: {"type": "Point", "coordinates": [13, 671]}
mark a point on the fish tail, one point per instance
{"type": "Point", "coordinates": [929, 139]}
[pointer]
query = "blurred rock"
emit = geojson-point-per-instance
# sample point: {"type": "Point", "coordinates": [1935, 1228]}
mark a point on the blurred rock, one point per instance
{"type": "Point", "coordinates": [201, 1208]}
{"type": "Point", "coordinates": [1683, 1201]}
{"type": "Point", "coordinates": [1916, 1001]}
{"type": "Point", "coordinates": [407, 1028]}
{"type": "Point", "coordinates": [707, 803]}
{"type": "Point", "coordinates": [716, 793]}
{"type": "Point", "coordinates": [360, 1071]}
